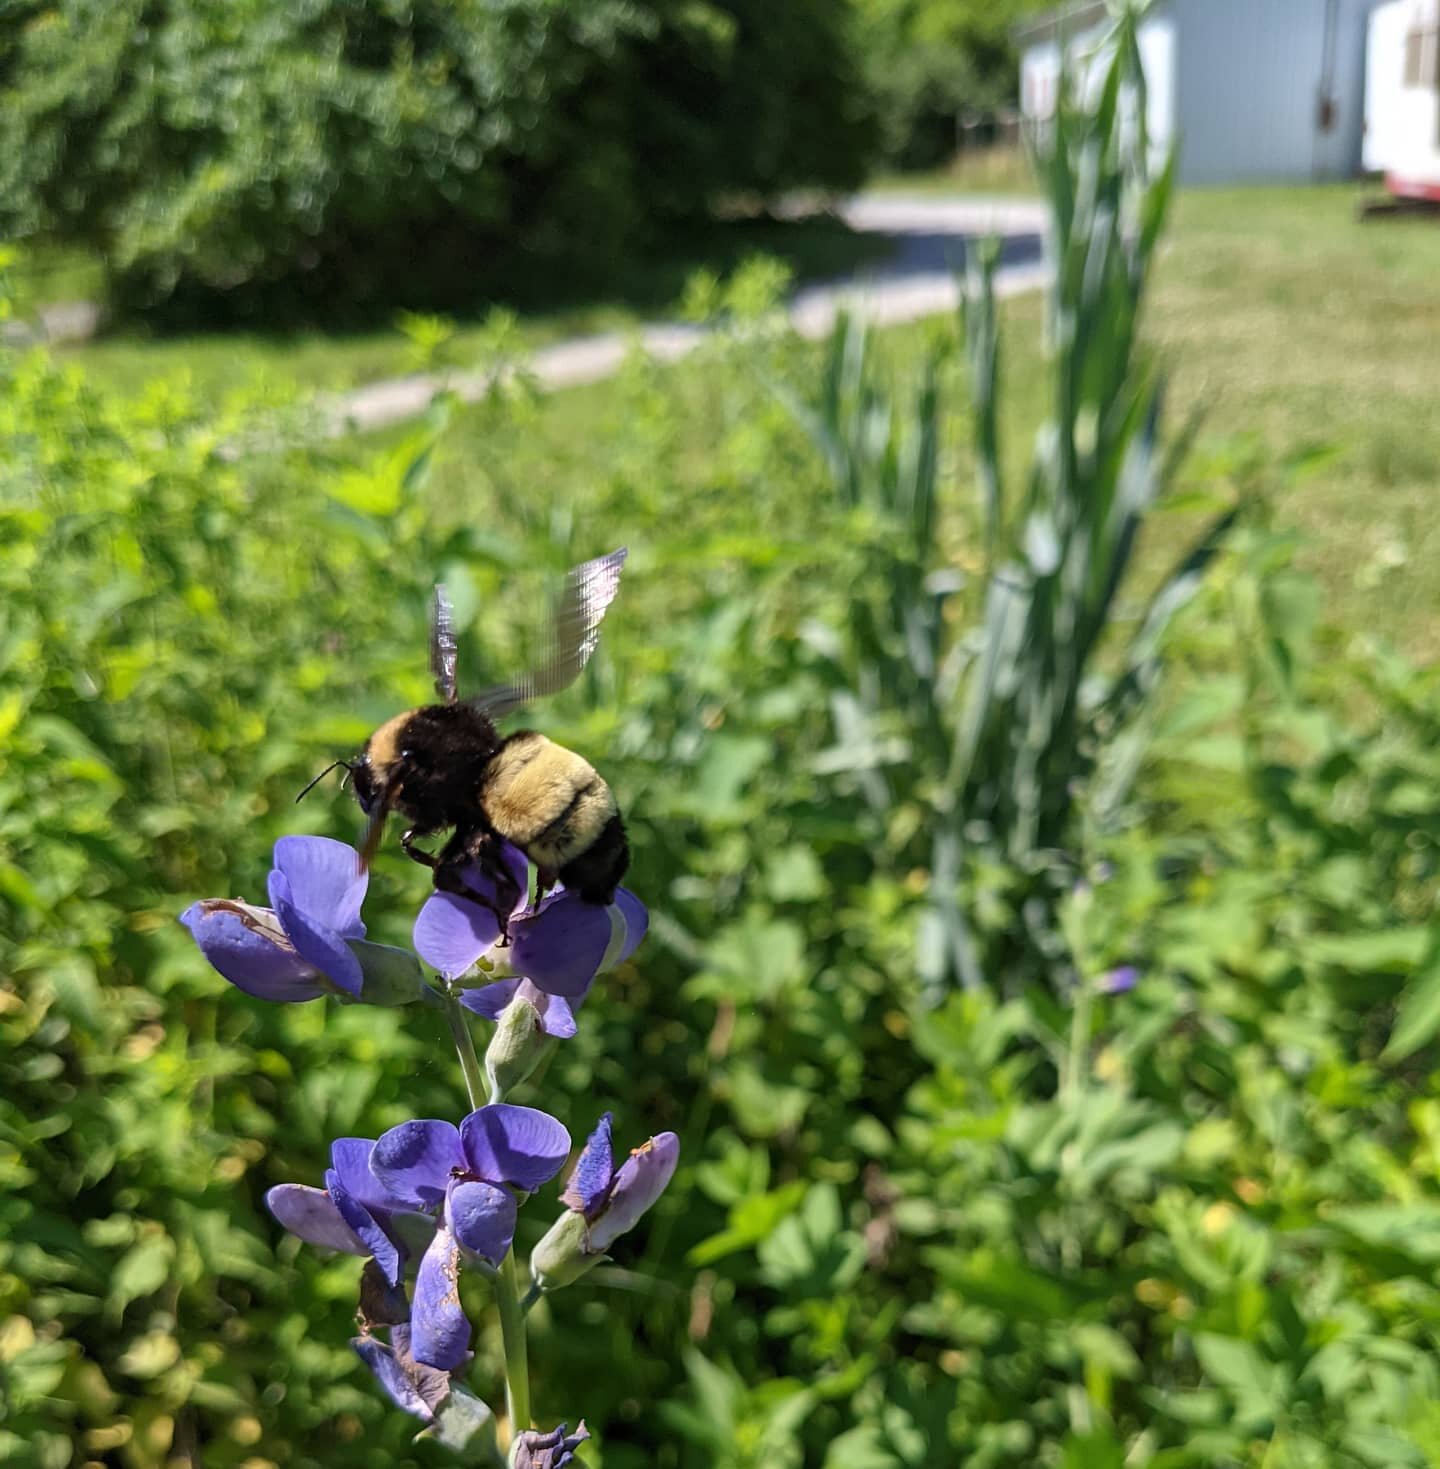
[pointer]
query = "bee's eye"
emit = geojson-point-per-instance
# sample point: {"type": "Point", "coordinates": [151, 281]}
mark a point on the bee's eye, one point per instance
{"type": "Point", "coordinates": [364, 779]}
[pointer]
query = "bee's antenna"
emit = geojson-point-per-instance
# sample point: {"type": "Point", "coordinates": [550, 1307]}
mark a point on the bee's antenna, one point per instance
{"type": "Point", "coordinates": [349, 770]}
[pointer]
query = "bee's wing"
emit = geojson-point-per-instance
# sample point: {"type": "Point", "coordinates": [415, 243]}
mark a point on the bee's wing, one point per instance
{"type": "Point", "coordinates": [574, 631]}
{"type": "Point", "coordinates": [443, 651]}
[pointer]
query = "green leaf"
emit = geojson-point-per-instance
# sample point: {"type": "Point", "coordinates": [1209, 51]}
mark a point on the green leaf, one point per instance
{"type": "Point", "coordinates": [1096, 1450]}
{"type": "Point", "coordinates": [142, 1270]}
{"type": "Point", "coordinates": [1418, 1018]}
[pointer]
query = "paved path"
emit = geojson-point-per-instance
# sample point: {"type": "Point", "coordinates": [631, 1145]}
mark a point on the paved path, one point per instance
{"type": "Point", "coordinates": [917, 280]}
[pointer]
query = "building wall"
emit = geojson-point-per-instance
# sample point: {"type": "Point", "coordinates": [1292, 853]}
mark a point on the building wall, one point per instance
{"type": "Point", "coordinates": [1403, 102]}
{"type": "Point", "coordinates": [1239, 83]}
{"type": "Point", "coordinates": [1385, 67]}
{"type": "Point", "coordinates": [1251, 77]}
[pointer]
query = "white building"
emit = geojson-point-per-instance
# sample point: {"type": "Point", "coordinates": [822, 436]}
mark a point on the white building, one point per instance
{"type": "Point", "coordinates": [1402, 98]}
{"type": "Point", "coordinates": [1255, 91]}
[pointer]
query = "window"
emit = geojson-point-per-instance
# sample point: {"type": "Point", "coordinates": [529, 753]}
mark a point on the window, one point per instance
{"type": "Point", "coordinates": [1422, 59]}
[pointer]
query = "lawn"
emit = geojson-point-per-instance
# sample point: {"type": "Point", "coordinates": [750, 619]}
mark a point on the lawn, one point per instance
{"type": "Point", "coordinates": [1002, 169]}
{"type": "Point", "coordinates": [1303, 335]}
{"type": "Point", "coordinates": [1293, 326]}
{"type": "Point", "coordinates": [815, 248]}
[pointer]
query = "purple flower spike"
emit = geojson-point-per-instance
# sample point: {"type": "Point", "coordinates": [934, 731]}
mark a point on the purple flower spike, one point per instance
{"type": "Point", "coordinates": [516, 1145]}
{"type": "Point", "coordinates": [1118, 981]}
{"type": "Point", "coordinates": [297, 949]}
{"type": "Point", "coordinates": [639, 1181]}
{"type": "Point", "coordinates": [563, 944]}
{"type": "Point", "coordinates": [557, 1016]}
{"type": "Point", "coordinates": [553, 1450]}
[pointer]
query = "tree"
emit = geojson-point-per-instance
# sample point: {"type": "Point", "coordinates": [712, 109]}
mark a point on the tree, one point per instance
{"type": "Point", "coordinates": [930, 60]}
{"type": "Point", "coordinates": [386, 149]}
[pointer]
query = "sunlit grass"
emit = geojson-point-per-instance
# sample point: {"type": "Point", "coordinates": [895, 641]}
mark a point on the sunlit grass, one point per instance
{"type": "Point", "coordinates": [128, 354]}
{"type": "Point", "coordinates": [1298, 330]}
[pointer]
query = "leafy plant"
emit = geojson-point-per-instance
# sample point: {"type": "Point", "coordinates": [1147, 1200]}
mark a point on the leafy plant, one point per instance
{"type": "Point", "coordinates": [993, 731]}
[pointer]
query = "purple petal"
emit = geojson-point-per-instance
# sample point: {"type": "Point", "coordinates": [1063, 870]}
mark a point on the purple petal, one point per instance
{"type": "Point", "coordinates": [640, 1180]}
{"type": "Point", "coordinates": [391, 1376]}
{"type": "Point", "coordinates": [589, 1181]}
{"type": "Point", "coordinates": [637, 922]}
{"type": "Point", "coordinates": [557, 1017]}
{"type": "Point", "coordinates": [1118, 981]}
{"type": "Point", "coordinates": [414, 1162]}
{"type": "Point", "coordinates": [325, 880]}
{"type": "Point", "coordinates": [451, 933]}
{"type": "Point", "coordinates": [249, 948]}
{"type": "Point", "coordinates": [560, 945]}
{"type": "Point", "coordinates": [517, 867]}
{"type": "Point", "coordinates": [315, 941]}
{"type": "Point", "coordinates": [490, 999]}
{"type": "Point", "coordinates": [377, 1243]}
{"type": "Point", "coordinates": [482, 1217]}
{"type": "Point", "coordinates": [310, 1213]}
{"type": "Point", "coordinates": [439, 1330]}
{"type": "Point", "coordinates": [350, 1158]}
{"type": "Point", "coordinates": [516, 1145]}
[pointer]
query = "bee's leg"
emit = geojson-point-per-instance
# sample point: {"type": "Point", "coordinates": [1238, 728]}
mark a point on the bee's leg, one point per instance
{"type": "Point", "coordinates": [459, 852]}
{"type": "Point", "coordinates": [545, 879]}
{"type": "Point", "coordinates": [425, 859]}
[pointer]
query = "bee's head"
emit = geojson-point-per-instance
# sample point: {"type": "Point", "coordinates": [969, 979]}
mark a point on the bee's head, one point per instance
{"type": "Point", "coordinates": [377, 779]}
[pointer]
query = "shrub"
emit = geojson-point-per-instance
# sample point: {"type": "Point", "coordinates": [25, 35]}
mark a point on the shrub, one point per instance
{"type": "Point", "coordinates": [401, 152]}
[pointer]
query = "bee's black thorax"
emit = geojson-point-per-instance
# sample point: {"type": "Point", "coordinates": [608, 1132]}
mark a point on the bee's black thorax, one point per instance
{"type": "Point", "coordinates": [432, 759]}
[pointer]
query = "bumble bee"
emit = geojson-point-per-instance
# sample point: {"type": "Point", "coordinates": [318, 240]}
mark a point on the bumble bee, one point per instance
{"type": "Point", "coordinates": [446, 767]}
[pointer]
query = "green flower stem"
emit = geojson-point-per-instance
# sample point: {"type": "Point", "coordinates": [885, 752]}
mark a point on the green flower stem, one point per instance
{"type": "Point", "coordinates": [512, 1332]}
{"type": "Point", "coordinates": [465, 1048]}
{"type": "Point", "coordinates": [507, 1282]}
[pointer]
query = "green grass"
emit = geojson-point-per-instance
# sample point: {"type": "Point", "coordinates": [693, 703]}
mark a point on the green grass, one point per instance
{"type": "Point", "coordinates": [1284, 317]}
{"type": "Point", "coordinates": [1299, 332]}
{"type": "Point", "coordinates": [127, 355]}
{"type": "Point", "coordinates": [997, 170]}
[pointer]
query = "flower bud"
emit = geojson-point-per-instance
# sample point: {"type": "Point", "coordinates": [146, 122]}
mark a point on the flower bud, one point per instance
{"type": "Point", "coordinates": [516, 1047]}
{"type": "Point", "coordinates": [392, 976]}
{"type": "Point", "coordinates": [553, 1450]}
{"type": "Point", "coordinates": [603, 1203]}
{"type": "Point", "coordinates": [563, 1256]}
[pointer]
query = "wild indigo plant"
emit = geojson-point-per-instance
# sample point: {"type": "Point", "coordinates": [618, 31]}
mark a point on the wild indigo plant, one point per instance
{"type": "Point", "coordinates": [431, 1198]}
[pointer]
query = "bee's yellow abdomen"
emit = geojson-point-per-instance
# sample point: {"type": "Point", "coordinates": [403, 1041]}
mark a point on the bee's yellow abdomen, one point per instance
{"type": "Point", "coordinates": [546, 799]}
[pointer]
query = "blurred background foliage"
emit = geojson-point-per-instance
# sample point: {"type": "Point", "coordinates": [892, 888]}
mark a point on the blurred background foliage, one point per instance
{"type": "Point", "coordinates": [252, 157]}
{"type": "Point", "coordinates": [335, 158]}
{"type": "Point", "coordinates": [1032, 1220]}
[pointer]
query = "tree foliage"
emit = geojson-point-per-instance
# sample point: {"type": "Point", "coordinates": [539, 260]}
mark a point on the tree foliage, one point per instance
{"type": "Point", "coordinates": [929, 61]}
{"type": "Point", "coordinates": [395, 148]}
